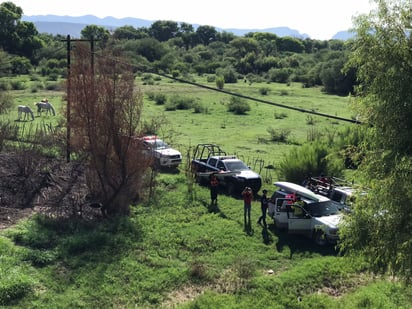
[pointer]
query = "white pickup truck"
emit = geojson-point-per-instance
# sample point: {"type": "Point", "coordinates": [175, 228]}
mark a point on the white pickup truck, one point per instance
{"type": "Point", "coordinates": [316, 216]}
{"type": "Point", "coordinates": [163, 155]}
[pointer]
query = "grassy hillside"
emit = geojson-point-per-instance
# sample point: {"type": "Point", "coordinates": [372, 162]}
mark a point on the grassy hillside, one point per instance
{"type": "Point", "coordinates": [176, 251]}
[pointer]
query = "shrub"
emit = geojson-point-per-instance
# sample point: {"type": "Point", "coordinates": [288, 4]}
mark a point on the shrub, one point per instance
{"type": "Point", "coordinates": [53, 86]}
{"type": "Point", "coordinates": [4, 85]}
{"type": "Point", "coordinates": [170, 107]}
{"type": "Point", "coordinates": [199, 108]}
{"type": "Point", "coordinates": [280, 115]}
{"type": "Point", "coordinates": [310, 159]}
{"type": "Point", "coordinates": [18, 85]}
{"type": "Point", "coordinates": [6, 102]}
{"type": "Point", "coordinates": [181, 102]}
{"type": "Point", "coordinates": [238, 106]}
{"type": "Point", "coordinates": [220, 82]}
{"type": "Point", "coordinates": [279, 75]}
{"type": "Point", "coordinates": [211, 78]}
{"type": "Point", "coordinates": [264, 90]}
{"type": "Point", "coordinates": [279, 136]}
{"type": "Point", "coordinates": [175, 73]}
{"type": "Point", "coordinates": [160, 98]}
{"type": "Point", "coordinates": [151, 96]}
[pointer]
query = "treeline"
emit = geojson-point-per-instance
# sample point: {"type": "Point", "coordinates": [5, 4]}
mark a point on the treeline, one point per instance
{"type": "Point", "coordinates": [180, 49]}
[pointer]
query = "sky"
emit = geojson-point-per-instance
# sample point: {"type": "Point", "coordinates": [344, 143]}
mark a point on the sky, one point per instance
{"type": "Point", "coordinates": [320, 19]}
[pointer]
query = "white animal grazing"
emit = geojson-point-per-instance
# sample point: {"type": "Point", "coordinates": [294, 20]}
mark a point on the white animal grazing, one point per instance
{"type": "Point", "coordinates": [45, 105]}
{"type": "Point", "coordinates": [26, 110]}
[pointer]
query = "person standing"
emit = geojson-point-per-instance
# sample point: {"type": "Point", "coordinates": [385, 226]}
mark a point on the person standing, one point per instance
{"type": "Point", "coordinates": [214, 183]}
{"type": "Point", "coordinates": [247, 195]}
{"type": "Point", "coordinates": [264, 202]}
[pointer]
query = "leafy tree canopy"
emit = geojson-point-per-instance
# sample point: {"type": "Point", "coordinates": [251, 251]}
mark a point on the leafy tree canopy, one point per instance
{"type": "Point", "coordinates": [382, 223]}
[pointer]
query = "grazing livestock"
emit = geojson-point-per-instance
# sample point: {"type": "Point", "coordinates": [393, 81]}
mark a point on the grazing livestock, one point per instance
{"type": "Point", "coordinates": [22, 109]}
{"type": "Point", "coordinates": [45, 105]}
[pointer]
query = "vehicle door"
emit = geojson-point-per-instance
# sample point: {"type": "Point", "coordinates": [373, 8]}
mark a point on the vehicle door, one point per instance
{"type": "Point", "coordinates": [211, 165]}
{"type": "Point", "coordinates": [299, 221]}
{"type": "Point", "coordinates": [280, 209]}
{"type": "Point", "coordinates": [221, 176]}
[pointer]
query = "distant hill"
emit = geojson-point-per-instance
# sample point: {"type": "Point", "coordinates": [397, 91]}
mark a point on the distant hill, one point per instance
{"type": "Point", "coordinates": [69, 25]}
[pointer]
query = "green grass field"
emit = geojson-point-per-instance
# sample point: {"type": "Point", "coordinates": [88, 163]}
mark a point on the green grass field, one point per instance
{"type": "Point", "coordinates": [176, 251]}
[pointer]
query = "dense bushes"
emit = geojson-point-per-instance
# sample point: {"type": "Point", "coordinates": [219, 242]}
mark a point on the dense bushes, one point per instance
{"type": "Point", "coordinates": [311, 159]}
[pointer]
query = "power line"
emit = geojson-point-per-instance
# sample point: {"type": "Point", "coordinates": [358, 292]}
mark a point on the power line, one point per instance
{"type": "Point", "coordinates": [302, 110]}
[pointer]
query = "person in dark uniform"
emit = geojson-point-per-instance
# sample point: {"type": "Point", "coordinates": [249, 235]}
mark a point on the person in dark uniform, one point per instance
{"type": "Point", "coordinates": [264, 202]}
{"type": "Point", "coordinates": [214, 183]}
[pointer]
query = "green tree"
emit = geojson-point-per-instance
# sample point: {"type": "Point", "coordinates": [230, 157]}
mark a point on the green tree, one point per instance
{"type": "Point", "coordinates": [206, 34]}
{"type": "Point", "coordinates": [130, 33]}
{"type": "Point", "coordinates": [290, 44]}
{"type": "Point", "coordinates": [16, 36]}
{"type": "Point", "coordinates": [382, 222]}
{"type": "Point", "coordinates": [164, 30]}
{"type": "Point", "coordinates": [97, 33]}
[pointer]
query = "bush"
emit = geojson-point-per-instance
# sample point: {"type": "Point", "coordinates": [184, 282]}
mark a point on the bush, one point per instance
{"type": "Point", "coordinates": [182, 102]}
{"type": "Point", "coordinates": [280, 115]}
{"type": "Point", "coordinates": [199, 108]}
{"type": "Point", "coordinates": [264, 90]}
{"type": "Point", "coordinates": [280, 136]}
{"type": "Point", "coordinates": [220, 82]}
{"type": "Point", "coordinates": [160, 98]}
{"type": "Point", "coordinates": [6, 102]}
{"type": "Point", "coordinates": [310, 159]}
{"type": "Point", "coordinates": [4, 85]}
{"type": "Point", "coordinates": [238, 106]}
{"type": "Point", "coordinates": [18, 85]}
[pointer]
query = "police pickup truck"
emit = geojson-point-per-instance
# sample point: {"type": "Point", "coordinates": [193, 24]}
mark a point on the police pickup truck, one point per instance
{"type": "Point", "coordinates": [315, 216]}
{"type": "Point", "coordinates": [232, 173]}
{"type": "Point", "coordinates": [163, 155]}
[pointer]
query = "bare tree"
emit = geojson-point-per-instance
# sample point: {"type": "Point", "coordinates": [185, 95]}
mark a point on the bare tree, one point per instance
{"type": "Point", "coordinates": [104, 120]}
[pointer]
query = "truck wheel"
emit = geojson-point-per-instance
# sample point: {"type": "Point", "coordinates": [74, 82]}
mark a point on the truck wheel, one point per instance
{"type": "Point", "coordinates": [319, 238]}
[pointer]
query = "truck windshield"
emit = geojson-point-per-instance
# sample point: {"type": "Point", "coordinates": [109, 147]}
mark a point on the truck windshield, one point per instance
{"type": "Point", "coordinates": [321, 209]}
{"type": "Point", "coordinates": [236, 166]}
{"type": "Point", "coordinates": [159, 144]}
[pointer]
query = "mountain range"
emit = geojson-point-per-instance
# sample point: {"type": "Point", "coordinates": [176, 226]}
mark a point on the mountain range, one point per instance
{"type": "Point", "coordinates": [69, 25]}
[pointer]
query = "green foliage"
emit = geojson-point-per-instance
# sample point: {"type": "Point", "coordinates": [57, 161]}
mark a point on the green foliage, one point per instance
{"type": "Point", "coordinates": [182, 103]}
{"type": "Point", "coordinates": [20, 65]}
{"type": "Point", "coordinates": [264, 90]}
{"type": "Point", "coordinates": [238, 106]}
{"type": "Point", "coordinates": [18, 84]}
{"type": "Point", "coordinates": [280, 115]}
{"type": "Point", "coordinates": [381, 57]}
{"type": "Point", "coordinates": [199, 108]}
{"type": "Point", "coordinates": [309, 159]}
{"type": "Point", "coordinates": [279, 136]}
{"type": "Point", "coordinates": [160, 98]}
{"type": "Point", "coordinates": [279, 75]}
{"type": "Point", "coordinates": [14, 285]}
{"type": "Point", "coordinates": [6, 102]}
{"type": "Point", "coordinates": [15, 282]}
{"type": "Point", "coordinates": [220, 82]}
